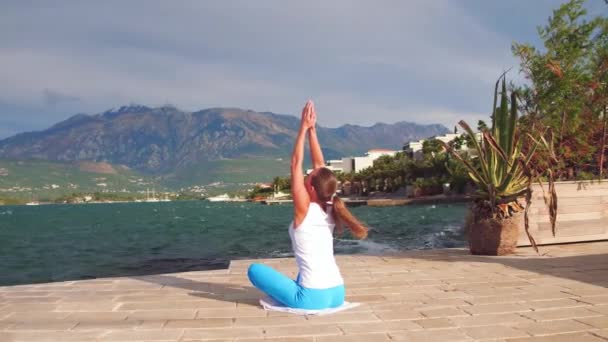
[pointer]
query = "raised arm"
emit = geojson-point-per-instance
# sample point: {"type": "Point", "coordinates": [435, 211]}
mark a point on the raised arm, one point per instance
{"type": "Point", "coordinates": [316, 154]}
{"type": "Point", "coordinates": [301, 199]}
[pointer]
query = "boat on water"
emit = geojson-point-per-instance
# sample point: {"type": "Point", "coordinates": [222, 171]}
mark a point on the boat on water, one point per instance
{"type": "Point", "coordinates": [33, 200]}
{"type": "Point", "coordinates": [153, 198]}
{"type": "Point", "coordinates": [220, 198]}
{"type": "Point", "coordinates": [225, 198]}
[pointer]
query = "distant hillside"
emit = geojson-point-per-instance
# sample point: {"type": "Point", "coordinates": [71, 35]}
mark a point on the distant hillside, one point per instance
{"type": "Point", "coordinates": [169, 142]}
{"type": "Point", "coordinates": [46, 179]}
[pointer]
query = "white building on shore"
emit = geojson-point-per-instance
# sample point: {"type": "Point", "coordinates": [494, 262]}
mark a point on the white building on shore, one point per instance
{"type": "Point", "coordinates": [335, 164]}
{"type": "Point", "coordinates": [356, 164]}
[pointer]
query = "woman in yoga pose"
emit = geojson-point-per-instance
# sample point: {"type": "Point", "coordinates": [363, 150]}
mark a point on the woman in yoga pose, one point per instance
{"type": "Point", "coordinates": [317, 210]}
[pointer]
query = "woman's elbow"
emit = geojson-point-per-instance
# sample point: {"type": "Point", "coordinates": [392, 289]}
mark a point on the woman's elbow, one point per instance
{"type": "Point", "coordinates": [295, 169]}
{"type": "Point", "coordinates": [296, 163]}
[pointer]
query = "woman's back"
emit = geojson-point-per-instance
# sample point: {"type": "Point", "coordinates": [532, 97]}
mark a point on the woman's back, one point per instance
{"type": "Point", "coordinates": [312, 243]}
{"type": "Point", "coordinates": [319, 284]}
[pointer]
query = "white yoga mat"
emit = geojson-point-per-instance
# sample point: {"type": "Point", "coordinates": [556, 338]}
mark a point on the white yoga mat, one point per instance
{"type": "Point", "coordinates": [270, 305]}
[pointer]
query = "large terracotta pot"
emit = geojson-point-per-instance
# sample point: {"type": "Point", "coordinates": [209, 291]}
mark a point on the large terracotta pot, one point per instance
{"type": "Point", "coordinates": [492, 236]}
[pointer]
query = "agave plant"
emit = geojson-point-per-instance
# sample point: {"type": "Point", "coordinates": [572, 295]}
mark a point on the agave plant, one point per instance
{"type": "Point", "coordinates": [503, 172]}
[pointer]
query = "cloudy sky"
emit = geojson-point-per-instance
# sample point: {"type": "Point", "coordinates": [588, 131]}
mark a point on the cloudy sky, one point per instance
{"type": "Point", "coordinates": [427, 61]}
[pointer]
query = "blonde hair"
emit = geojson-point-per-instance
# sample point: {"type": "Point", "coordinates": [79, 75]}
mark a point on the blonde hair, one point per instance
{"type": "Point", "coordinates": [325, 184]}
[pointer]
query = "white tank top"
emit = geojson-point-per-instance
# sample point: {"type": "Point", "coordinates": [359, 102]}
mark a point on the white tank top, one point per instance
{"type": "Point", "coordinates": [313, 246]}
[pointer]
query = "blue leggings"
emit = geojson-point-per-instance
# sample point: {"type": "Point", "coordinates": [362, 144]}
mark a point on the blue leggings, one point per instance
{"type": "Point", "coordinates": [289, 293]}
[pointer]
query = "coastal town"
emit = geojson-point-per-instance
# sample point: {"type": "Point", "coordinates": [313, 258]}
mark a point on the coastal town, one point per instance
{"type": "Point", "coordinates": [266, 192]}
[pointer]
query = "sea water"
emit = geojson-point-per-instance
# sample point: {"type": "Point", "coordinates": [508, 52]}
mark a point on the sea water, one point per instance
{"type": "Point", "coordinates": [67, 242]}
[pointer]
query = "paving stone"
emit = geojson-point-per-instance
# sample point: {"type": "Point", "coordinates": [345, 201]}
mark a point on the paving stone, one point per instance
{"type": "Point", "coordinates": [435, 323]}
{"type": "Point", "coordinates": [365, 298]}
{"type": "Point", "coordinates": [444, 312]}
{"type": "Point", "coordinates": [51, 326]}
{"type": "Point", "coordinates": [30, 307]}
{"type": "Point", "coordinates": [345, 317]}
{"type": "Point", "coordinates": [495, 308]}
{"type": "Point", "coordinates": [553, 327]}
{"type": "Point", "coordinates": [161, 314]}
{"type": "Point", "coordinates": [554, 304]}
{"type": "Point", "coordinates": [603, 309]}
{"type": "Point", "coordinates": [437, 295]}
{"type": "Point", "coordinates": [490, 291]}
{"type": "Point", "coordinates": [544, 295]}
{"type": "Point", "coordinates": [96, 316]}
{"type": "Point", "coordinates": [230, 313]}
{"type": "Point", "coordinates": [449, 294]}
{"type": "Point", "coordinates": [199, 323]}
{"type": "Point", "coordinates": [174, 305]}
{"type": "Point", "coordinates": [248, 303]}
{"type": "Point", "coordinates": [377, 337]}
{"type": "Point", "coordinates": [399, 315]}
{"type": "Point", "coordinates": [489, 319]}
{"type": "Point", "coordinates": [589, 291]}
{"type": "Point", "coordinates": [556, 314]}
{"type": "Point", "coordinates": [151, 298]}
{"type": "Point", "coordinates": [575, 337]}
{"type": "Point", "coordinates": [31, 300]}
{"type": "Point", "coordinates": [6, 325]}
{"type": "Point", "coordinates": [512, 283]}
{"type": "Point", "coordinates": [49, 336]}
{"type": "Point", "coordinates": [269, 321]}
{"type": "Point", "coordinates": [597, 322]}
{"type": "Point", "coordinates": [377, 327]}
{"type": "Point", "coordinates": [107, 325]}
{"type": "Point", "coordinates": [280, 339]}
{"type": "Point", "coordinates": [601, 333]}
{"type": "Point", "coordinates": [441, 303]}
{"type": "Point", "coordinates": [493, 332]}
{"type": "Point", "coordinates": [150, 324]}
{"type": "Point", "coordinates": [394, 306]}
{"type": "Point", "coordinates": [18, 294]}
{"type": "Point", "coordinates": [73, 307]}
{"type": "Point", "coordinates": [233, 333]}
{"type": "Point", "coordinates": [444, 335]}
{"type": "Point", "coordinates": [595, 300]}
{"type": "Point", "coordinates": [495, 300]}
{"type": "Point", "coordinates": [36, 316]}
{"type": "Point", "coordinates": [142, 335]}
{"type": "Point", "coordinates": [302, 330]}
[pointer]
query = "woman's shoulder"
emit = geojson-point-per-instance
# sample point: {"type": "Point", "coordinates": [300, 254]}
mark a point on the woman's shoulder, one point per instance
{"type": "Point", "coordinates": [315, 208]}
{"type": "Point", "coordinates": [314, 215]}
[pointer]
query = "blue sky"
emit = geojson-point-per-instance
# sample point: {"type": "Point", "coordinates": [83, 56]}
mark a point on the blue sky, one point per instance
{"type": "Point", "coordinates": [361, 61]}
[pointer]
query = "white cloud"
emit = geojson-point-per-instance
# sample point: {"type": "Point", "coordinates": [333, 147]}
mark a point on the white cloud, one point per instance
{"type": "Point", "coordinates": [422, 61]}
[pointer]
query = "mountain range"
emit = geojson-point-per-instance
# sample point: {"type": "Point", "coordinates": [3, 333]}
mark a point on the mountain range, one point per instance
{"type": "Point", "coordinates": [167, 141]}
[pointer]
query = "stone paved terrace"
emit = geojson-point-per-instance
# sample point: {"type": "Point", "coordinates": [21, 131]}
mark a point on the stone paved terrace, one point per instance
{"type": "Point", "coordinates": [438, 295]}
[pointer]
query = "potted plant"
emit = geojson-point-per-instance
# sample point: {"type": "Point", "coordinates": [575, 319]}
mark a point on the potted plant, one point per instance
{"type": "Point", "coordinates": [503, 175]}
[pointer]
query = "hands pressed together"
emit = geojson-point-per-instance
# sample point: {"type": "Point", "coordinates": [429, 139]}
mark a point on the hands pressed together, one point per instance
{"type": "Point", "coordinates": [309, 116]}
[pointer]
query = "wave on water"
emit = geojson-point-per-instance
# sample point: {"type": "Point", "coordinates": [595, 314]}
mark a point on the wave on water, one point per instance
{"type": "Point", "coordinates": [451, 236]}
{"type": "Point", "coordinates": [8, 212]}
{"type": "Point", "coordinates": [281, 254]}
